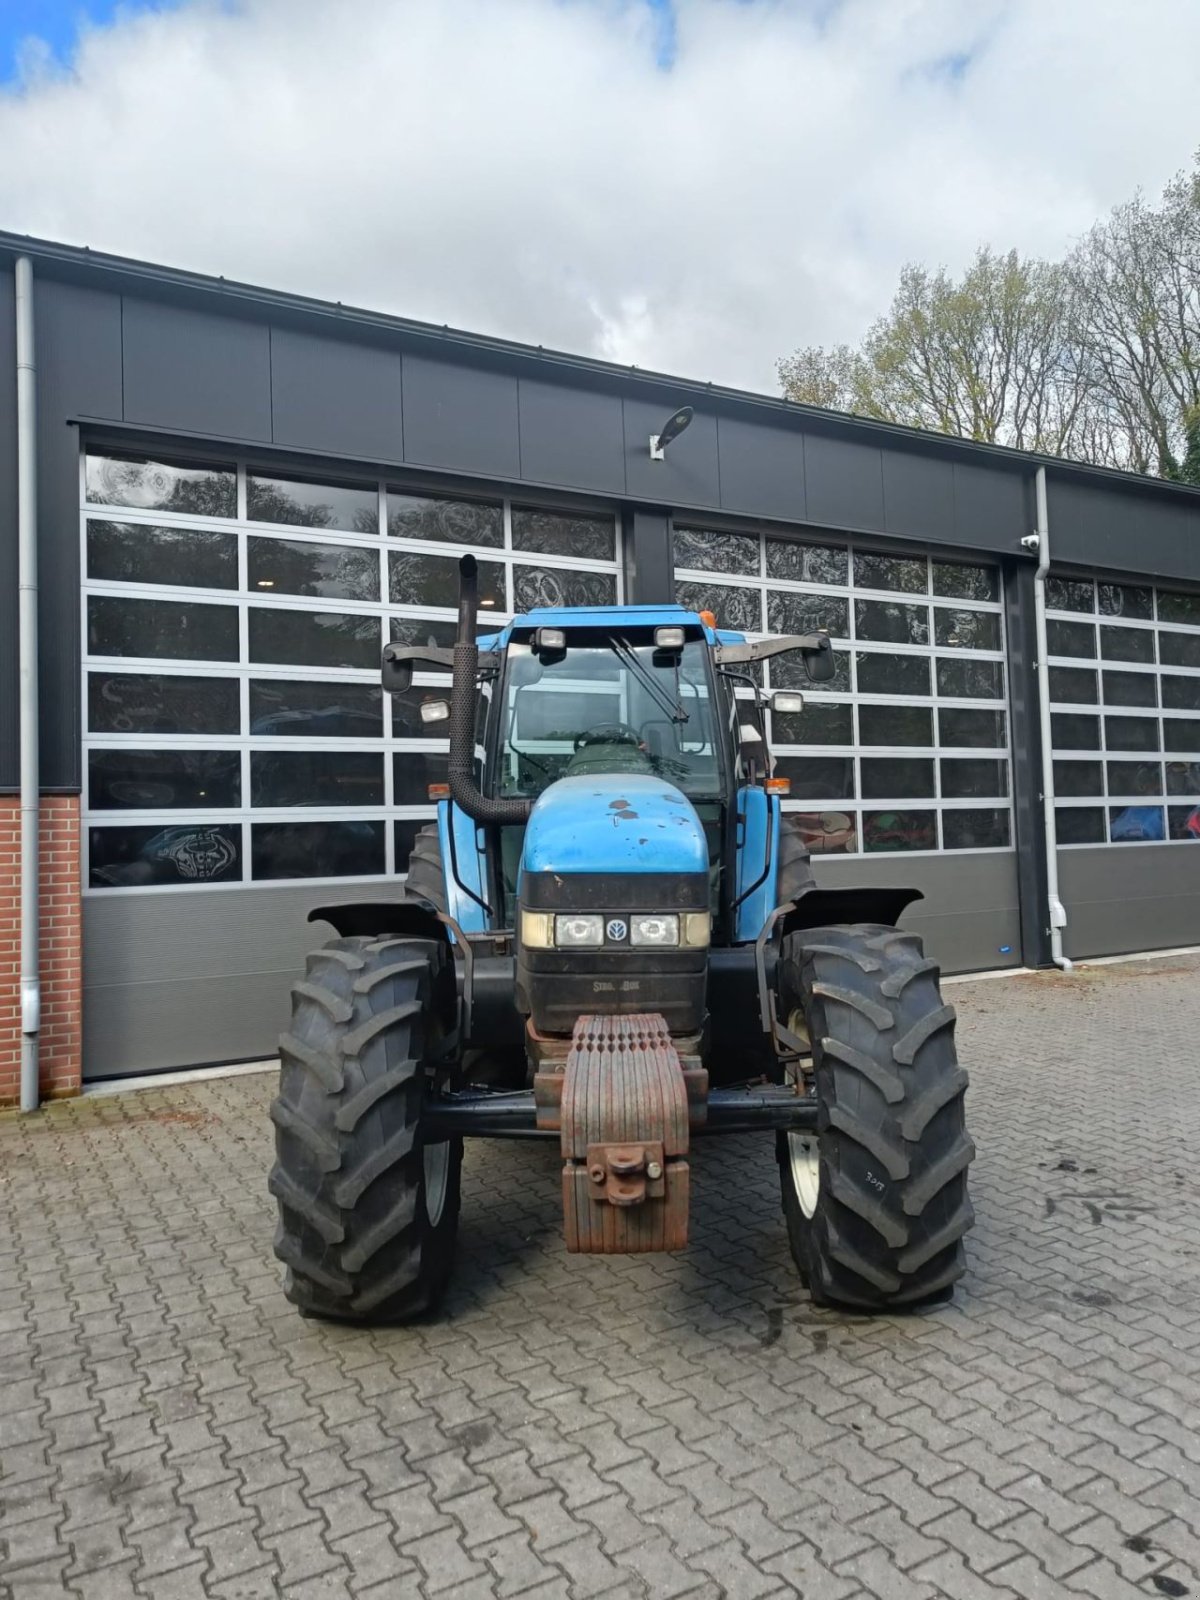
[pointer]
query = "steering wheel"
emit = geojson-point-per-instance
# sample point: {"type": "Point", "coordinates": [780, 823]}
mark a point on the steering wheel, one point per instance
{"type": "Point", "coordinates": [604, 733]}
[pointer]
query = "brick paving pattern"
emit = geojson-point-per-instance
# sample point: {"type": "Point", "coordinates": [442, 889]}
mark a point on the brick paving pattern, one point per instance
{"type": "Point", "coordinates": [623, 1427]}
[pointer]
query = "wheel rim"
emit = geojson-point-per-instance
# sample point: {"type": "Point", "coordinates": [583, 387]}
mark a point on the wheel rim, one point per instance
{"type": "Point", "coordinates": [437, 1179]}
{"type": "Point", "coordinates": [803, 1158]}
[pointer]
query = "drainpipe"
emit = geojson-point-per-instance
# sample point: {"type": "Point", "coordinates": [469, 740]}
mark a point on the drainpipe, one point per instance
{"type": "Point", "coordinates": [27, 625]}
{"type": "Point", "coordinates": [1058, 912]}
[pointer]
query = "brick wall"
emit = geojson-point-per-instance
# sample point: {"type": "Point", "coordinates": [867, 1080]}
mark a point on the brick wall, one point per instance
{"type": "Point", "coordinates": [61, 953]}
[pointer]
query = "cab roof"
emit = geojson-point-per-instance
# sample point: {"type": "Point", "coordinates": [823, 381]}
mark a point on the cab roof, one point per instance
{"type": "Point", "coordinates": [612, 619]}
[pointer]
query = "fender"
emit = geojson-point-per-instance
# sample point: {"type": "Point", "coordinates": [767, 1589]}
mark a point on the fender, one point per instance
{"type": "Point", "coordinates": [369, 918]}
{"type": "Point", "coordinates": [820, 908]}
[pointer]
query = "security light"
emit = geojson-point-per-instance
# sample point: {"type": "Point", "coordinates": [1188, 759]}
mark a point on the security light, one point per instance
{"type": "Point", "coordinates": [671, 429]}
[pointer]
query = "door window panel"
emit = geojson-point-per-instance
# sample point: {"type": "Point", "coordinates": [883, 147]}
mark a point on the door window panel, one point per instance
{"type": "Point", "coordinates": [791, 612]}
{"type": "Point", "coordinates": [807, 563]}
{"type": "Point", "coordinates": [324, 571]}
{"type": "Point", "coordinates": [1071, 730]}
{"type": "Point", "coordinates": [1130, 689]}
{"type": "Point", "coordinates": [305, 504]}
{"type": "Point", "coordinates": [537, 587]}
{"type": "Point", "coordinates": [962, 582]}
{"type": "Point", "coordinates": [1070, 638]}
{"type": "Point", "coordinates": [346, 849]}
{"type": "Point", "coordinates": [421, 580]}
{"type": "Point", "coordinates": [890, 725]}
{"type": "Point", "coordinates": [970, 680]}
{"type": "Point", "coordinates": [179, 630]}
{"type": "Point", "coordinates": [299, 708]}
{"type": "Point", "coordinates": [414, 771]}
{"type": "Point", "coordinates": [315, 778]}
{"type": "Point", "coordinates": [139, 552]}
{"type": "Point", "coordinates": [899, 830]}
{"type": "Point", "coordinates": [897, 778]}
{"type": "Point", "coordinates": [141, 485]}
{"type": "Point", "coordinates": [888, 622]}
{"type": "Point", "coordinates": [187, 855]}
{"type": "Point", "coordinates": [1125, 600]}
{"type": "Point", "coordinates": [900, 573]}
{"type": "Point", "coordinates": [1131, 733]}
{"type": "Point", "coordinates": [974, 779]}
{"type": "Point", "coordinates": [889, 674]}
{"type": "Point", "coordinates": [466, 522]}
{"type": "Point", "coordinates": [1069, 684]}
{"type": "Point", "coordinates": [555, 533]}
{"type": "Point", "coordinates": [1070, 594]}
{"type": "Point", "coordinates": [816, 724]}
{"type": "Point", "coordinates": [282, 637]}
{"type": "Point", "coordinates": [973, 729]}
{"type": "Point", "coordinates": [966, 630]}
{"type": "Point", "coordinates": [975, 828]}
{"type": "Point", "coordinates": [1079, 824]}
{"type": "Point", "coordinates": [818, 777]}
{"type": "Point", "coordinates": [1127, 644]}
{"type": "Point", "coordinates": [142, 702]}
{"type": "Point", "coordinates": [1072, 778]}
{"type": "Point", "coordinates": [163, 780]}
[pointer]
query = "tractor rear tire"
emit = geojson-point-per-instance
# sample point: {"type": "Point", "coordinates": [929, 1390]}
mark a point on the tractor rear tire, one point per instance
{"type": "Point", "coordinates": [795, 864]}
{"type": "Point", "coordinates": [876, 1202]}
{"type": "Point", "coordinates": [425, 877]}
{"type": "Point", "coordinates": [368, 1211]}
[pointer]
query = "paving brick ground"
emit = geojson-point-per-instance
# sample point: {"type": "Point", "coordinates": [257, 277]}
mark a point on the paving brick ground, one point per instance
{"type": "Point", "coordinates": [169, 1427]}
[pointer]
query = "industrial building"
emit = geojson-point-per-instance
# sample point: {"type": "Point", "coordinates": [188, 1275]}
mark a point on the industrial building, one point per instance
{"type": "Point", "coordinates": [235, 497]}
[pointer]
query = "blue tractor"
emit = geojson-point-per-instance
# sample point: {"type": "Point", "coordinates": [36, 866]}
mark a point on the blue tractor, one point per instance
{"type": "Point", "coordinates": [611, 937]}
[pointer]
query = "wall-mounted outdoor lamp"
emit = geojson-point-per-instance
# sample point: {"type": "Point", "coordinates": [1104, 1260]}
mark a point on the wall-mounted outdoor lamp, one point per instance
{"type": "Point", "coordinates": [671, 429]}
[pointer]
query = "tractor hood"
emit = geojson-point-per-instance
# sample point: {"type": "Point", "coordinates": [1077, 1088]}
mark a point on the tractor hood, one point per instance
{"type": "Point", "coordinates": [614, 823]}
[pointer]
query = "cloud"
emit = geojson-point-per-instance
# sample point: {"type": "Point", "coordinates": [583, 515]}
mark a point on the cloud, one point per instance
{"type": "Point", "coordinates": [697, 188]}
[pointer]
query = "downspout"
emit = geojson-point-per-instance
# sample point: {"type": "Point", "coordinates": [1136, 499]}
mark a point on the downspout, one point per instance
{"type": "Point", "coordinates": [27, 626]}
{"type": "Point", "coordinates": [1058, 912]}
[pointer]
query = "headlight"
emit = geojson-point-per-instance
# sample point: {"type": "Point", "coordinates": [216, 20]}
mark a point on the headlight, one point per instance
{"type": "Point", "coordinates": [576, 931]}
{"type": "Point", "coordinates": [537, 930]}
{"type": "Point", "coordinates": [661, 930]}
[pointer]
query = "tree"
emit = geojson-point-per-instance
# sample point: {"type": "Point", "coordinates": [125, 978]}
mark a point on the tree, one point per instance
{"type": "Point", "coordinates": [1096, 357]}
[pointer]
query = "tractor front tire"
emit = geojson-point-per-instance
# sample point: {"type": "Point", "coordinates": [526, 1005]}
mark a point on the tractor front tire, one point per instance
{"type": "Point", "coordinates": [876, 1201]}
{"type": "Point", "coordinates": [368, 1211]}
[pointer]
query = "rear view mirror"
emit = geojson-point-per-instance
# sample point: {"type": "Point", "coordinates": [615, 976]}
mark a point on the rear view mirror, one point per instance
{"type": "Point", "coordinates": [397, 675]}
{"type": "Point", "coordinates": [819, 663]}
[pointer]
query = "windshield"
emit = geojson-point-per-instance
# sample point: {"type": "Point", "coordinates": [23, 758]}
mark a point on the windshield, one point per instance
{"type": "Point", "coordinates": [610, 707]}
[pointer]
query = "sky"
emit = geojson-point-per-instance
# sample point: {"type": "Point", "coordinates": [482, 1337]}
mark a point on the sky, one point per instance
{"type": "Point", "coordinates": [695, 186]}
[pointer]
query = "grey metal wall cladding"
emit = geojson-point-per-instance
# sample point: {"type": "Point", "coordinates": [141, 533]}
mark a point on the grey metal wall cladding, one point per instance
{"type": "Point", "coordinates": [78, 336]}
{"type": "Point", "coordinates": [993, 507]}
{"type": "Point", "coordinates": [185, 979]}
{"type": "Point", "coordinates": [200, 373]}
{"type": "Point", "coordinates": [844, 482]}
{"type": "Point", "coordinates": [572, 437]}
{"type": "Point", "coordinates": [969, 917]}
{"type": "Point", "coordinates": [9, 712]}
{"type": "Point", "coordinates": [918, 496]}
{"type": "Point", "coordinates": [689, 476]}
{"type": "Point", "coordinates": [649, 565]}
{"type": "Point", "coordinates": [1125, 898]}
{"type": "Point", "coordinates": [462, 418]}
{"type": "Point", "coordinates": [1122, 529]}
{"type": "Point", "coordinates": [335, 396]}
{"type": "Point", "coordinates": [762, 469]}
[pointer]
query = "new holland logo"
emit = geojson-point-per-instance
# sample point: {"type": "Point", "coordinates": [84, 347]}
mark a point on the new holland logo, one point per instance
{"type": "Point", "coordinates": [616, 930]}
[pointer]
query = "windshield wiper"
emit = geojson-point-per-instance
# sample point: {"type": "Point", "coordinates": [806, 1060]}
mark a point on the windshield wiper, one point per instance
{"type": "Point", "coordinates": [625, 652]}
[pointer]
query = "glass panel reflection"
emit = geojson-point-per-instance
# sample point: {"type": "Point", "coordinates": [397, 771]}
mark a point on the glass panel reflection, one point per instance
{"type": "Point", "coordinates": [890, 622]}
{"type": "Point", "coordinates": [1071, 730]}
{"type": "Point", "coordinates": [163, 780]}
{"type": "Point", "coordinates": [317, 849]}
{"type": "Point", "coordinates": [827, 833]}
{"type": "Point", "coordinates": [887, 674]}
{"type": "Point", "coordinates": [189, 855]}
{"type": "Point", "coordinates": [1182, 734]}
{"type": "Point", "coordinates": [789, 672]}
{"type": "Point", "coordinates": [909, 575]}
{"type": "Point", "coordinates": [316, 778]}
{"type": "Point", "coordinates": [807, 563]}
{"type": "Point", "coordinates": [899, 830]}
{"type": "Point", "coordinates": [1179, 608]}
{"type": "Point", "coordinates": [1070, 638]}
{"type": "Point", "coordinates": [816, 724]}
{"type": "Point", "coordinates": [1074, 684]}
{"type": "Point", "coordinates": [897, 778]}
{"type": "Point", "coordinates": [414, 771]}
{"type": "Point", "coordinates": [974, 779]}
{"type": "Point", "coordinates": [1130, 689]}
{"type": "Point", "coordinates": [536, 587]}
{"type": "Point", "coordinates": [895, 725]}
{"type": "Point", "coordinates": [740, 609]}
{"type": "Point", "coordinates": [298, 708]}
{"type": "Point", "coordinates": [1125, 600]}
{"type": "Point", "coordinates": [818, 777]}
{"type": "Point", "coordinates": [140, 702]}
{"type": "Point", "coordinates": [1083, 778]}
{"type": "Point", "coordinates": [1127, 644]}
{"type": "Point", "coordinates": [1180, 694]}
{"type": "Point", "coordinates": [183, 630]}
{"type": "Point", "coordinates": [966, 630]}
{"type": "Point", "coordinates": [975, 829]}
{"type": "Point", "coordinates": [1183, 822]}
{"type": "Point", "coordinates": [1135, 824]}
{"type": "Point", "coordinates": [325, 571]}
{"type": "Point", "coordinates": [973, 729]}
{"type": "Point", "coordinates": [1068, 594]}
{"type": "Point", "coordinates": [354, 509]}
{"type": "Point", "coordinates": [1131, 733]}
{"type": "Point", "coordinates": [970, 680]}
{"type": "Point", "coordinates": [313, 638]}
{"type": "Point", "coordinates": [1135, 777]}
{"type": "Point", "coordinates": [1183, 777]}
{"type": "Point", "coordinates": [421, 580]}
{"type": "Point", "coordinates": [138, 552]}
{"type": "Point", "coordinates": [960, 582]}
{"type": "Point", "coordinates": [144, 485]}
{"type": "Point", "coordinates": [1179, 649]}
{"type": "Point", "coordinates": [791, 612]}
{"type": "Point", "coordinates": [469, 522]}
{"type": "Point", "coordinates": [558, 533]}
{"type": "Point", "coordinates": [705, 551]}
{"type": "Point", "coordinates": [1079, 824]}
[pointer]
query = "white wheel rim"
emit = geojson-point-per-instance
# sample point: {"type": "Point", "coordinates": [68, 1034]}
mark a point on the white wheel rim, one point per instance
{"type": "Point", "coordinates": [437, 1179]}
{"type": "Point", "coordinates": [803, 1157]}
{"type": "Point", "coordinates": [806, 1171]}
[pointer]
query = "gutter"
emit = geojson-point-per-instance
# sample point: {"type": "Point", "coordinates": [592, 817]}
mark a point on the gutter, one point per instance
{"type": "Point", "coordinates": [27, 631]}
{"type": "Point", "coordinates": [1040, 540]}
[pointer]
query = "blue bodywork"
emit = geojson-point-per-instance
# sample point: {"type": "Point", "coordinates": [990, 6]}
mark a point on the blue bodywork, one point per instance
{"type": "Point", "coordinates": [621, 822]}
{"type": "Point", "coordinates": [577, 824]}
